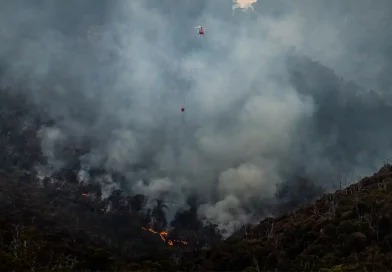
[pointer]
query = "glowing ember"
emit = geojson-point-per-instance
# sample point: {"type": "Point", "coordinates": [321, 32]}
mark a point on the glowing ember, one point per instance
{"type": "Point", "coordinates": [84, 194]}
{"type": "Point", "coordinates": [163, 235]}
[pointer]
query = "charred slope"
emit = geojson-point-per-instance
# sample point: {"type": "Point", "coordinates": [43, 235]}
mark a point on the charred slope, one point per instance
{"type": "Point", "coordinates": [347, 230]}
{"type": "Point", "coordinates": [57, 223]}
{"type": "Point", "coordinates": [59, 227]}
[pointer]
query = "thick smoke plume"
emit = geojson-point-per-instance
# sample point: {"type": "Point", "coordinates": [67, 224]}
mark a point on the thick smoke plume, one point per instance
{"type": "Point", "coordinates": [114, 75]}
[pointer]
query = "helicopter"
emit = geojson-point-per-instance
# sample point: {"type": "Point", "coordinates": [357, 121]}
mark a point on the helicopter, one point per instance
{"type": "Point", "coordinates": [201, 30]}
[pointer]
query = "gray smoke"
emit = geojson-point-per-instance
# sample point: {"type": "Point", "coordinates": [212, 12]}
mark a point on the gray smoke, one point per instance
{"type": "Point", "coordinates": [115, 74]}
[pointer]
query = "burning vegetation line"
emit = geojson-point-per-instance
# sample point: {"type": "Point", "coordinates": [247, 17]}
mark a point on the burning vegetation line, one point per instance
{"type": "Point", "coordinates": [163, 235]}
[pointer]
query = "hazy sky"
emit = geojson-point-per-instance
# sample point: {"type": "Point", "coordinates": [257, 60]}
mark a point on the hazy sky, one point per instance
{"type": "Point", "coordinates": [115, 74]}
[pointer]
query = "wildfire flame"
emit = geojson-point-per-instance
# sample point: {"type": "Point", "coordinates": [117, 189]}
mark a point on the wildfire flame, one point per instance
{"type": "Point", "coordinates": [163, 235]}
{"type": "Point", "coordinates": [84, 194]}
{"type": "Point", "coordinates": [243, 4]}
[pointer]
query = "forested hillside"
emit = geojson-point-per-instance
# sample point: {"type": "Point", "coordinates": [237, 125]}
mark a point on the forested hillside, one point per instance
{"type": "Point", "coordinates": [55, 222]}
{"type": "Point", "coordinates": [348, 230]}
{"type": "Point", "coordinates": [59, 221]}
{"type": "Point", "coordinates": [59, 226]}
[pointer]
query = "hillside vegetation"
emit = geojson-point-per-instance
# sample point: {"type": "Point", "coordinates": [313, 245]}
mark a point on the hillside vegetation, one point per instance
{"type": "Point", "coordinates": [56, 226]}
{"type": "Point", "coordinates": [56, 222]}
{"type": "Point", "coordinates": [348, 230]}
{"type": "Point", "coordinates": [59, 226]}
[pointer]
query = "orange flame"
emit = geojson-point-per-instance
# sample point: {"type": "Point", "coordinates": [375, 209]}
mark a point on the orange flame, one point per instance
{"type": "Point", "coordinates": [244, 4]}
{"type": "Point", "coordinates": [84, 194]}
{"type": "Point", "coordinates": [163, 235]}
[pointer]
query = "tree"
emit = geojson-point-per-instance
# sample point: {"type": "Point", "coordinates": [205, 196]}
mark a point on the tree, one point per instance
{"type": "Point", "coordinates": [137, 202]}
{"type": "Point", "coordinates": [119, 202]}
{"type": "Point", "coordinates": [159, 216]}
